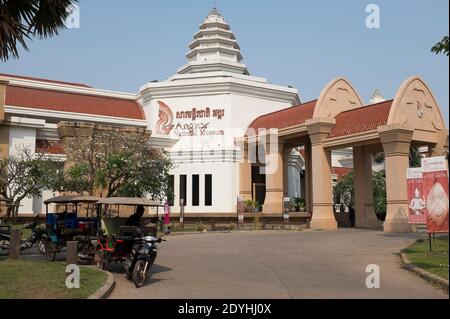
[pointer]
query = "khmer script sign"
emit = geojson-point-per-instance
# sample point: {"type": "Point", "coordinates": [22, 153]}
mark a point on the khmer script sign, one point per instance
{"type": "Point", "coordinates": [192, 122]}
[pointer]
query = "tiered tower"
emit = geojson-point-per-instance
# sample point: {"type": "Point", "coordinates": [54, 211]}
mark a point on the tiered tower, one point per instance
{"type": "Point", "coordinates": [214, 48]}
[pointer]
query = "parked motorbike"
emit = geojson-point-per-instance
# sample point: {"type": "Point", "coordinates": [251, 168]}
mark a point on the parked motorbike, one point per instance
{"type": "Point", "coordinates": [135, 254]}
{"type": "Point", "coordinates": [143, 256]}
{"type": "Point", "coordinates": [38, 238]}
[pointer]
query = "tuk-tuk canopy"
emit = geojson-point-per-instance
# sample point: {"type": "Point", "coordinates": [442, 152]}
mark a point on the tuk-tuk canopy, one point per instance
{"type": "Point", "coordinates": [72, 199]}
{"type": "Point", "coordinates": [129, 201]}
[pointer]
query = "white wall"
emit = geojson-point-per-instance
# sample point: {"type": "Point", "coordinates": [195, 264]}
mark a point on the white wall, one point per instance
{"type": "Point", "coordinates": [20, 137]}
{"type": "Point", "coordinates": [224, 191]}
{"type": "Point", "coordinates": [240, 111]}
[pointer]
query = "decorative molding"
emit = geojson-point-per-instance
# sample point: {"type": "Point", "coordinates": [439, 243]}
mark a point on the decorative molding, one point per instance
{"type": "Point", "coordinates": [72, 116]}
{"type": "Point", "coordinates": [205, 156]}
{"type": "Point", "coordinates": [70, 88]}
{"type": "Point", "coordinates": [361, 138]}
{"type": "Point", "coordinates": [338, 96]}
{"type": "Point", "coordinates": [217, 86]}
{"type": "Point", "coordinates": [415, 105]}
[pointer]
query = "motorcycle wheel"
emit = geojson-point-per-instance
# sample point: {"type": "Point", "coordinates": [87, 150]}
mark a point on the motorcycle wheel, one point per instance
{"type": "Point", "coordinates": [51, 250]}
{"type": "Point", "coordinates": [41, 245]}
{"type": "Point", "coordinates": [86, 253]}
{"type": "Point", "coordinates": [139, 276]}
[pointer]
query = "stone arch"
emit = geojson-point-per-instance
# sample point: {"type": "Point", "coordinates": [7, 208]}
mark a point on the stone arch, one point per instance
{"type": "Point", "coordinates": [338, 96]}
{"type": "Point", "coordinates": [415, 106]}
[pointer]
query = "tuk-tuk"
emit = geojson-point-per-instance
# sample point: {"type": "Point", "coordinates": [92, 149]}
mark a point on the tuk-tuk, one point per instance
{"type": "Point", "coordinates": [132, 246]}
{"type": "Point", "coordinates": [68, 223]}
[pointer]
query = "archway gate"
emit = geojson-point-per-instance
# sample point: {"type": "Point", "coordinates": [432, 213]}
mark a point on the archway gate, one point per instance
{"type": "Point", "coordinates": [338, 119]}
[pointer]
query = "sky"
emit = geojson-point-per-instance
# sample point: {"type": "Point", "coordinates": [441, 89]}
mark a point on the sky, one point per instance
{"type": "Point", "coordinates": [122, 45]}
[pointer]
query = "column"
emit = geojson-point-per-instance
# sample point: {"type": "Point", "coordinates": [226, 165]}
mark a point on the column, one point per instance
{"type": "Point", "coordinates": [3, 84]}
{"type": "Point", "coordinates": [396, 140]}
{"type": "Point", "coordinates": [362, 169]}
{"type": "Point", "coordinates": [307, 178]}
{"type": "Point", "coordinates": [245, 174]}
{"type": "Point", "coordinates": [274, 170]}
{"type": "Point", "coordinates": [4, 130]}
{"type": "Point", "coordinates": [322, 192]}
{"type": "Point", "coordinates": [287, 174]}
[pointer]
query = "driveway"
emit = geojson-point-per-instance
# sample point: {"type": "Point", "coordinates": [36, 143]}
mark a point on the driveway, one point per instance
{"type": "Point", "coordinates": [272, 264]}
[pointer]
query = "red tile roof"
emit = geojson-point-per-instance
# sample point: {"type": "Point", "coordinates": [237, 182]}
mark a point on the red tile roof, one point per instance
{"type": "Point", "coordinates": [362, 119]}
{"type": "Point", "coordinates": [341, 171]}
{"type": "Point", "coordinates": [287, 117]}
{"type": "Point", "coordinates": [73, 102]}
{"type": "Point", "coordinates": [43, 80]}
{"type": "Point", "coordinates": [49, 147]}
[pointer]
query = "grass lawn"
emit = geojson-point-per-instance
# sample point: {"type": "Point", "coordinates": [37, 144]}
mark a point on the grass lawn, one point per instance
{"type": "Point", "coordinates": [25, 279]}
{"type": "Point", "coordinates": [436, 261]}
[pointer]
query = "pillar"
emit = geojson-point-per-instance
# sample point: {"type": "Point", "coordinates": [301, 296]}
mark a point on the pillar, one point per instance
{"type": "Point", "coordinates": [286, 181]}
{"type": "Point", "coordinates": [4, 130]}
{"type": "Point", "coordinates": [245, 174]}
{"type": "Point", "coordinates": [307, 178]}
{"type": "Point", "coordinates": [322, 192]}
{"type": "Point", "coordinates": [274, 170]}
{"type": "Point", "coordinates": [365, 216]}
{"type": "Point", "coordinates": [396, 140]}
{"type": "Point", "coordinates": [3, 85]}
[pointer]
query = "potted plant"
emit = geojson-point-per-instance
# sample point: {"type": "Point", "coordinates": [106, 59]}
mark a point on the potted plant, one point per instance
{"type": "Point", "coordinates": [292, 207]}
{"type": "Point", "coordinates": [299, 204]}
{"type": "Point", "coordinates": [256, 206]}
{"type": "Point", "coordinates": [248, 205]}
{"type": "Point", "coordinates": [302, 205]}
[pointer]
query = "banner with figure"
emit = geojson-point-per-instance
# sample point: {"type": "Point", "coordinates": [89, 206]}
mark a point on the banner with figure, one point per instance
{"type": "Point", "coordinates": [435, 191]}
{"type": "Point", "coordinates": [416, 199]}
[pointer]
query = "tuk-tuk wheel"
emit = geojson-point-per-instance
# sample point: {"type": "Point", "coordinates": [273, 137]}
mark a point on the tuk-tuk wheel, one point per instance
{"type": "Point", "coordinates": [86, 253]}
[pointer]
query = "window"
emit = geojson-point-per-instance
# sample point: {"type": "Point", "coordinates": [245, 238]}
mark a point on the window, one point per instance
{"type": "Point", "coordinates": [183, 188]}
{"type": "Point", "coordinates": [208, 190]}
{"type": "Point", "coordinates": [171, 189]}
{"type": "Point", "coordinates": [195, 190]}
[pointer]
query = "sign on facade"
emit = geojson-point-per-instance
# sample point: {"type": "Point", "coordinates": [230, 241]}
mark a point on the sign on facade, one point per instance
{"type": "Point", "coordinates": [435, 193]}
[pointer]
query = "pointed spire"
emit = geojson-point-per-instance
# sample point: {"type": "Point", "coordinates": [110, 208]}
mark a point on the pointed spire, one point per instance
{"type": "Point", "coordinates": [214, 12]}
{"type": "Point", "coordinates": [214, 48]}
{"type": "Point", "coordinates": [377, 97]}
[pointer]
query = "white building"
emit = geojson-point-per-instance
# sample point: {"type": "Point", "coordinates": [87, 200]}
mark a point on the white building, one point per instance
{"type": "Point", "coordinates": [196, 115]}
{"type": "Point", "coordinates": [199, 111]}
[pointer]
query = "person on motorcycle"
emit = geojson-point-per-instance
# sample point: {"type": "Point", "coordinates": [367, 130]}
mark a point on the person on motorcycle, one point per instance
{"type": "Point", "coordinates": [136, 218]}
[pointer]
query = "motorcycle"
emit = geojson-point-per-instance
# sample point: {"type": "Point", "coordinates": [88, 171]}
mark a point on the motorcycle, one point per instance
{"type": "Point", "coordinates": [38, 238]}
{"type": "Point", "coordinates": [143, 256]}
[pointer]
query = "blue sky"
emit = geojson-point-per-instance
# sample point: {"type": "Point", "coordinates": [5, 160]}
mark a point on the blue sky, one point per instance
{"type": "Point", "coordinates": [124, 44]}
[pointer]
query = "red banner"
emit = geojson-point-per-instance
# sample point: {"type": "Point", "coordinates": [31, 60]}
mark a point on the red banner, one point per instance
{"type": "Point", "coordinates": [166, 214]}
{"type": "Point", "coordinates": [435, 191]}
{"type": "Point", "coordinates": [417, 213]}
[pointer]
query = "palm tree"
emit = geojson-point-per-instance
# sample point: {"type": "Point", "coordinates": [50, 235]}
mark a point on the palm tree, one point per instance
{"type": "Point", "coordinates": [441, 46]}
{"type": "Point", "coordinates": [21, 20]}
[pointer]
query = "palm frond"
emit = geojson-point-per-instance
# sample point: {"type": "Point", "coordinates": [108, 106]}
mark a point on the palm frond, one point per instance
{"type": "Point", "coordinates": [20, 20]}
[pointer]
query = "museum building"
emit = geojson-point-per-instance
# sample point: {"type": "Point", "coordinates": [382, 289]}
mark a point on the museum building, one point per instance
{"type": "Point", "coordinates": [212, 116]}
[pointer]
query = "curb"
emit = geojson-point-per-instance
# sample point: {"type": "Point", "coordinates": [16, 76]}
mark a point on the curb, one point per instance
{"type": "Point", "coordinates": [104, 291]}
{"type": "Point", "coordinates": [443, 283]}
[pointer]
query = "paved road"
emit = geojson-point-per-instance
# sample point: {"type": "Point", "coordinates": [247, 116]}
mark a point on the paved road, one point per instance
{"type": "Point", "coordinates": [274, 264]}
